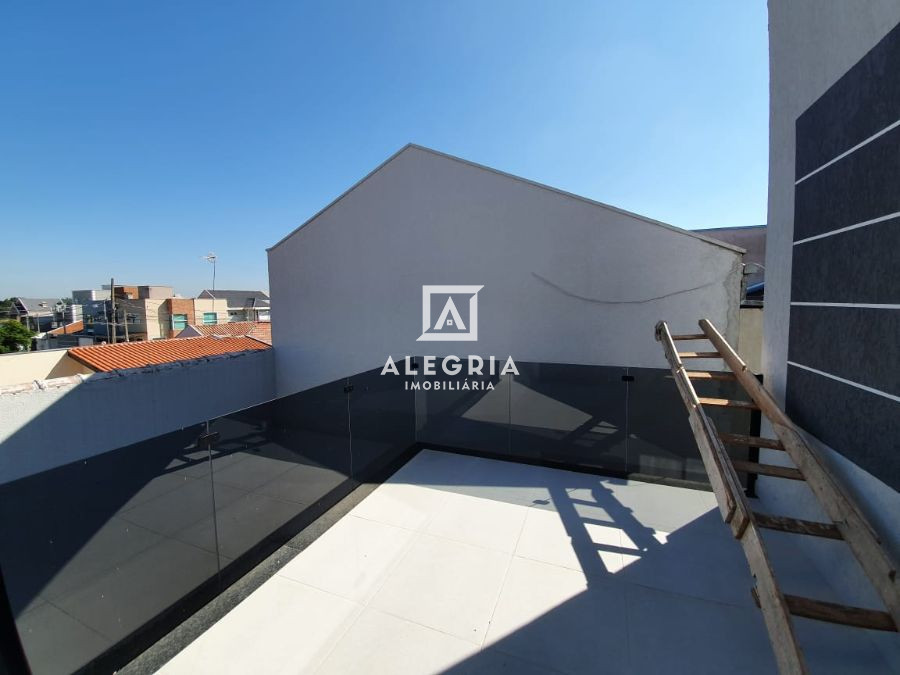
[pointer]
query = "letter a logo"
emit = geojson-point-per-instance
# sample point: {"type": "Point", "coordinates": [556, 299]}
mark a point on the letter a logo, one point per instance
{"type": "Point", "coordinates": [449, 311]}
{"type": "Point", "coordinates": [450, 325]}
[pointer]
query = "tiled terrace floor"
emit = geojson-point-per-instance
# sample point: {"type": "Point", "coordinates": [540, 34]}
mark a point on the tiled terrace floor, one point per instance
{"type": "Point", "coordinates": [466, 565]}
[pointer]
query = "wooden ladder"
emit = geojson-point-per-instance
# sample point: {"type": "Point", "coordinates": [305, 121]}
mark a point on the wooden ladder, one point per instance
{"type": "Point", "coordinates": [847, 521]}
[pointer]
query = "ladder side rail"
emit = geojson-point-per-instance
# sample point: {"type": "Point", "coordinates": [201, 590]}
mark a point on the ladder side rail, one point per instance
{"type": "Point", "coordinates": [738, 514]}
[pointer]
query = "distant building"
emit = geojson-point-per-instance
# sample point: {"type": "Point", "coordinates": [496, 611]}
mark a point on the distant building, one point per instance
{"type": "Point", "coordinates": [71, 334]}
{"type": "Point", "coordinates": [84, 296]}
{"type": "Point", "coordinates": [751, 238]}
{"type": "Point", "coordinates": [151, 313]}
{"type": "Point", "coordinates": [38, 314]}
{"type": "Point", "coordinates": [241, 305]}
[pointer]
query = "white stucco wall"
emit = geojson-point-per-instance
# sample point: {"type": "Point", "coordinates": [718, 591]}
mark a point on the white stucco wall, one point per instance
{"type": "Point", "coordinates": [565, 280]}
{"type": "Point", "coordinates": [67, 419]}
{"type": "Point", "coordinates": [812, 44]}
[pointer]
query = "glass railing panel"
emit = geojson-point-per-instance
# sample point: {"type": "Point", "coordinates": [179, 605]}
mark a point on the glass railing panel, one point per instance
{"type": "Point", "coordinates": [382, 421]}
{"type": "Point", "coordinates": [272, 462]}
{"type": "Point", "coordinates": [569, 414]}
{"type": "Point", "coordinates": [91, 551]}
{"type": "Point", "coordinates": [469, 412]}
{"type": "Point", "coordinates": [660, 440]}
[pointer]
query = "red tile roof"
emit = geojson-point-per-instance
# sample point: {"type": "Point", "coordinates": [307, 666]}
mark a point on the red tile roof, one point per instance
{"type": "Point", "coordinates": [75, 327]}
{"type": "Point", "coordinates": [104, 358]}
{"type": "Point", "coordinates": [261, 330]}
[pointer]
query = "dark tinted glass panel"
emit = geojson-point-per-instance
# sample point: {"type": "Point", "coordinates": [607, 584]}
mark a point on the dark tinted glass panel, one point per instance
{"type": "Point", "coordinates": [570, 414]}
{"type": "Point", "coordinates": [93, 550]}
{"type": "Point", "coordinates": [660, 441]}
{"type": "Point", "coordinates": [272, 462]}
{"type": "Point", "coordinates": [382, 421]}
{"type": "Point", "coordinates": [473, 418]}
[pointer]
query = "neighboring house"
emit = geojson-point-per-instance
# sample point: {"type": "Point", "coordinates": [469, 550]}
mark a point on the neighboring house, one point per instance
{"type": "Point", "coordinates": [152, 313]}
{"type": "Point", "coordinates": [241, 305]}
{"type": "Point", "coordinates": [39, 314]}
{"type": "Point", "coordinates": [125, 355]}
{"type": "Point", "coordinates": [261, 330]}
{"type": "Point", "coordinates": [176, 314]}
{"type": "Point", "coordinates": [751, 238]}
{"type": "Point", "coordinates": [84, 296]}
{"type": "Point", "coordinates": [136, 313]}
{"type": "Point", "coordinates": [69, 335]}
{"type": "Point", "coordinates": [45, 364]}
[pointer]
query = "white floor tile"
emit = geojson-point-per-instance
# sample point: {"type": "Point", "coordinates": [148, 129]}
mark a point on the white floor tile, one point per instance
{"type": "Point", "coordinates": [660, 507]}
{"type": "Point", "coordinates": [351, 559]}
{"type": "Point", "coordinates": [381, 644]}
{"type": "Point", "coordinates": [570, 542]}
{"type": "Point", "coordinates": [282, 627]}
{"type": "Point", "coordinates": [553, 616]}
{"type": "Point", "coordinates": [401, 505]}
{"type": "Point", "coordinates": [694, 560]}
{"type": "Point", "coordinates": [672, 634]}
{"type": "Point", "coordinates": [445, 585]}
{"type": "Point", "coordinates": [481, 522]}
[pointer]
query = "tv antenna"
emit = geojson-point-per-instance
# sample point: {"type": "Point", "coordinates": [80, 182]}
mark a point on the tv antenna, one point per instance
{"type": "Point", "coordinates": [211, 258]}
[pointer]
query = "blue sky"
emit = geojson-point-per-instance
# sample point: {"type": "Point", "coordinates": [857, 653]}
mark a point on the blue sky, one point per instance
{"type": "Point", "coordinates": [137, 136]}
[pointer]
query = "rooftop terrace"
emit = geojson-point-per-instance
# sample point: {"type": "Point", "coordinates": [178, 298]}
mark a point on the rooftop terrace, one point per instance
{"type": "Point", "coordinates": [461, 564]}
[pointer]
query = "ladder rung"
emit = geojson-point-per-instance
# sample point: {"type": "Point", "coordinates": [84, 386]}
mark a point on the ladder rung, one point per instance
{"type": "Point", "coordinates": [767, 469]}
{"type": "Point", "coordinates": [728, 403]}
{"type": "Point", "coordinates": [692, 336]}
{"type": "Point", "coordinates": [832, 612]}
{"type": "Point", "coordinates": [700, 355]}
{"type": "Point", "coordinates": [752, 441]}
{"type": "Point", "coordinates": [835, 613]}
{"type": "Point", "coordinates": [708, 375]}
{"type": "Point", "coordinates": [797, 526]}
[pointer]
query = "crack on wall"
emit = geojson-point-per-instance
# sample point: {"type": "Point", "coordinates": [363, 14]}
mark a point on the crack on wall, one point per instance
{"type": "Point", "coordinates": [600, 301]}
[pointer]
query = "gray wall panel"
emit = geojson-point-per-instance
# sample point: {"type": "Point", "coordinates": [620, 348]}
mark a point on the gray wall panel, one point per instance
{"type": "Point", "coordinates": [865, 427]}
{"type": "Point", "coordinates": [859, 266]}
{"type": "Point", "coordinates": [863, 102]}
{"type": "Point", "coordinates": [855, 343]}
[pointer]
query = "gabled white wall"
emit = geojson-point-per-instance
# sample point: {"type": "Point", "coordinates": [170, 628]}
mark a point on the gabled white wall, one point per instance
{"type": "Point", "coordinates": [565, 280]}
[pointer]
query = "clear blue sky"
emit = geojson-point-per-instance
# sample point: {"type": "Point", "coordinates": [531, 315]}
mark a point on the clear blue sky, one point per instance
{"type": "Point", "coordinates": [137, 136]}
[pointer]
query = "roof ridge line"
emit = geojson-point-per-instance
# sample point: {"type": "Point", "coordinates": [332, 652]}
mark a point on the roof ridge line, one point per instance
{"type": "Point", "coordinates": [528, 181]}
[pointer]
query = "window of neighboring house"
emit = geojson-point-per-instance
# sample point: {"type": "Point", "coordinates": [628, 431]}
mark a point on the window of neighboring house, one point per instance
{"type": "Point", "coordinates": [179, 321]}
{"type": "Point", "coordinates": [210, 318]}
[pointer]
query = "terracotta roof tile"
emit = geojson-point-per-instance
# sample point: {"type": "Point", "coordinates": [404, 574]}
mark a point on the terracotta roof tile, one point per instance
{"type": "Point", "coordinates": [104, 358]}
{"type": "Point", "coordinates": [75, 327]}
{"type": "Point", "coordinates": [261, 330]}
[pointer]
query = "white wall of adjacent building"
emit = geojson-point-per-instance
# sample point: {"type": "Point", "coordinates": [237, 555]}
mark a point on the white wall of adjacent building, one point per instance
{"type": "Point", "coordinates": [565, 280]}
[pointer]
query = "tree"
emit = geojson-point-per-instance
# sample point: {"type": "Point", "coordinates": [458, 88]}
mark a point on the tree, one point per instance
{"type": "Point", "coordinates": [14, 336]}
